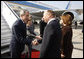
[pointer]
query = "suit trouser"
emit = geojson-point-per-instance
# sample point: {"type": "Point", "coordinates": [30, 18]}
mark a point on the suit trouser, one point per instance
{"type": "Point", "coordinates": [15, 54]}
{"type": "Point", "coordinates": [30, 50]}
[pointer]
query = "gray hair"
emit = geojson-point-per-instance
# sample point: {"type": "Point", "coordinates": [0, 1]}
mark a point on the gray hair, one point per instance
{"type": "Point", "coordinates": [22, 12]}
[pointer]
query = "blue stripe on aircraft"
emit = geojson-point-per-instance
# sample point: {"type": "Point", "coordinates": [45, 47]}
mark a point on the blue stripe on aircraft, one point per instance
{"type": "Point", "coordinates": [31, 4]}
{"type": "Point", "coordinates": [68, 5]}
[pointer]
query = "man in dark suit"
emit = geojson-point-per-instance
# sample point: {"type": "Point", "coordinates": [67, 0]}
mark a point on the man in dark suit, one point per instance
{"type": "Point", "coordinates": [42, 26]}
{"type": "Point", "coordinates": [19, 38]}
{"type": "Point", "coordinates": [52, 37]}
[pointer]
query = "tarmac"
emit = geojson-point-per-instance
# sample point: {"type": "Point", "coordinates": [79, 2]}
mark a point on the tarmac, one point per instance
{"type": "Point", "coordinates": [78, 43]}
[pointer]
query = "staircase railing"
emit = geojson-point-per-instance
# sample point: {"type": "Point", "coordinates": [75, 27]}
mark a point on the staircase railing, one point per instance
{"type": "Point", "coordinates": [8, 13]}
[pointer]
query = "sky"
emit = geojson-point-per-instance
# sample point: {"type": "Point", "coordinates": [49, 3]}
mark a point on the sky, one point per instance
{"type": "Point", "coordinates": [63, 4]}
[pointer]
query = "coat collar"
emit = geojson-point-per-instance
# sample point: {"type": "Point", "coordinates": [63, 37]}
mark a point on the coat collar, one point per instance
{"type": "Point", "coordinates": [51, 20]}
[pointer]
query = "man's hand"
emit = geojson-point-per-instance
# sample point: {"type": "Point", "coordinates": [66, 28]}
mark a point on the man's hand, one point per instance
{"type": "Point", "coordinates": [35, 42]}
{"type": "Point", "coordinates": [38, 37]}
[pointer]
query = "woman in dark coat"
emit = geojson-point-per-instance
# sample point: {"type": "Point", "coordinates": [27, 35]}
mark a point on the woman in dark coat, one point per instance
{"type": "Point", "coordinates": [66, 43]}
{"type": "Point", "coordinates": [31, 34]}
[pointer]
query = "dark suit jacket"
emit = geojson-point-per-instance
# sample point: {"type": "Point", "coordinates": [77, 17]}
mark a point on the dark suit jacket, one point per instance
{"type": "Point", "coordinates": [19, 38]}
{"type": "Point", "coordinates": [42, 26]}
{"type": "Point", "coordinates": [51, 41]}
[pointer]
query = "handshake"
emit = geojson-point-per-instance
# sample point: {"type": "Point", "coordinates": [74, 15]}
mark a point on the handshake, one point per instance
{"type": "Point", "coordinates": [35, 41]}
